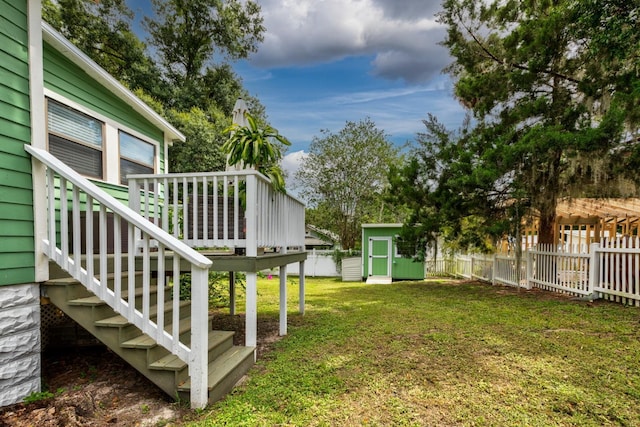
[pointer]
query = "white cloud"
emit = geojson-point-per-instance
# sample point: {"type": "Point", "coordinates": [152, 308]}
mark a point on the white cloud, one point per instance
{"type": "Point", "coordinates": [402, 39]}
{"type": "Point", "coordinates": [292, 161]}
{"type": "Point", "coordinates": [290, 164]}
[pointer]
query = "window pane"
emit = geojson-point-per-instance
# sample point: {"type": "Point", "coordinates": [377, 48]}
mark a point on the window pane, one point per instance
{"type": "Point", "coordinates": [136, 149]}
{"type": "Point", "coordinates": [130, 168]}
{"type": "Point", "coordinates": [82, 159]}
{"type": "Point", "coordinates": [73, 124]}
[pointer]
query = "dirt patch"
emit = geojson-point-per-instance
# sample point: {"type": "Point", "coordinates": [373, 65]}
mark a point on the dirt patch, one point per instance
{"type": "Point", "coordinates": [93, 386]}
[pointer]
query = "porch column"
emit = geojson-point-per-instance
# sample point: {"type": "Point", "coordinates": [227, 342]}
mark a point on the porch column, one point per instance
{"type": "Point", "coordinates": [301, 278]}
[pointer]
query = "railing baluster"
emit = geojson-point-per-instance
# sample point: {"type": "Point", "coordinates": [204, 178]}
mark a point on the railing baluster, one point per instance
{"type": "Point", "coordinates": [89, 242]}
{"type": "Point", "coordinates": [205, 212]}
{"type": "Point", "coordinates": [64, 223]}
{"type": "Point", "coordinates": [236, 209]}
{"type": "Point", "coordinates": [146, 279]}
{"type": "Point", "coordinates": [75, 218]}
{"type": "Point", "coordinates": [117, 262]}
{"type": "Point", "coordinates": [160, 294]}
{"type": "Point", "coordinates": [131, 272]}
{"type": "Point", "coordinates": [102, 231]}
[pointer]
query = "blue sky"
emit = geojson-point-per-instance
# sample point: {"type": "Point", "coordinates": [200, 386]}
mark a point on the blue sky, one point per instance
{"type": "Point", "coordinates": [325, 62]}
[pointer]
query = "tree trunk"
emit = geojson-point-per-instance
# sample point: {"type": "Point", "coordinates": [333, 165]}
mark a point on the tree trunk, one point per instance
{"type": "Point", "coordinates": [546, 230]}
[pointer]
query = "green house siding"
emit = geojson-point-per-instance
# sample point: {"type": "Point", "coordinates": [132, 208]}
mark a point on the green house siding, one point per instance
{"type": "Point", "coordinates": [67, 79]}
{"type": "Point", "coordinates": [401, 268]}
{"type": "Point", "coordinates": [16, 199]}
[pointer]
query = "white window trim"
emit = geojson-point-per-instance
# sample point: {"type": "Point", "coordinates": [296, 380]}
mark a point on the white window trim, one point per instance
{"type": "Point", "coordinates": [111, 142]}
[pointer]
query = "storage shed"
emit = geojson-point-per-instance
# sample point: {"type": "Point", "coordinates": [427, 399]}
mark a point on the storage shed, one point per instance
{"type": "Point", "coordinates": [385, 258]}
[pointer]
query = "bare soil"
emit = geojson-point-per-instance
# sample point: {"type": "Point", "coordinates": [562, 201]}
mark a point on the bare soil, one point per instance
{"type": "Point", "coordinates": [93, 386]}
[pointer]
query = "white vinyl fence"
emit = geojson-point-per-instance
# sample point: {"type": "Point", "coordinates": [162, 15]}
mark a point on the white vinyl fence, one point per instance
{"type": "Point", "coordinates": [319, 263]}
{"type": "Point", "coordinates": [609, 270]}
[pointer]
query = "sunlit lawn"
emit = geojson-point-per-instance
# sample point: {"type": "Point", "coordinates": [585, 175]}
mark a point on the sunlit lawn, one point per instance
{"type": "Point", "coordinates": [440, 353]}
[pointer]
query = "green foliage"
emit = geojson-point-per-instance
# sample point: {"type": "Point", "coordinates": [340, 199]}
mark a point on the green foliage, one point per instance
{"type": "Point", "coordinates": [202, 150]}
{"type": "Point", "coordinates": [37, 396]}
{"type": "Point", "coordinates": [218, 287]}
{"type": "Point", "coordinates": [541, 123]}
{"type": "Point", "coordinates": [345, 177]}
{"type": "Point", "coordinates": [103, 31]}
{"type": "Point", "coordinates": [445, 193]}
{"type": "Point", "coordinates": [186, 35]}
{"type": "Point", "coordinates": [253, 146]}
{"type": "Point", "coordinates": [338, 255]}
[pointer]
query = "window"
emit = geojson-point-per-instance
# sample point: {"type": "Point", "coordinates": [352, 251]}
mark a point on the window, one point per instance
{"type": "Point", "coordinates": [405, 248]}
{"type": "Point", "coordinates": [76, 139]}
{"type": "Point", "coordinates": [136, 156]}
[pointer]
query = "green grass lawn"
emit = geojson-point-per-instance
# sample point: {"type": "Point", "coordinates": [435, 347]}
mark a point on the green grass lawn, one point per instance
{"type": "Point", "coordinates": [440, 353]}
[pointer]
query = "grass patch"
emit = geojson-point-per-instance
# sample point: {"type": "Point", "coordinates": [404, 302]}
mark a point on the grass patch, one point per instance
{"type": "Point", "coordinates": [440, 353]}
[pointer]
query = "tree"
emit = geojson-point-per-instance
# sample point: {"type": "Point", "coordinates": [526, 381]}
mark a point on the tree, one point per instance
{"type": "Point", "coordinates": [202, 149]}
{"type": "Point", "coordinates": [439, 186]}
{"type": "Point", "coordinates": [187, 34]}
{"type": "Point", "coordinates": [345, 174]}
{"type": "Point", "coordinates": [103, 31]}
{"type": "Point", "coordinates": [520, 69]}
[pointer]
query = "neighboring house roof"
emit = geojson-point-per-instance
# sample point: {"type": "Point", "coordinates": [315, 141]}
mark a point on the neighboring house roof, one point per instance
{"type": "Point", "coordinates": [314, 241]}
{"type": "Point", "coordinates": [324, 233]}
{"type": "Point", "coordinates": [80, 59]}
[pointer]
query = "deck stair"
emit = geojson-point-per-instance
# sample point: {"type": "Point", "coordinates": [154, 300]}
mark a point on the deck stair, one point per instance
{"type": "Point", "coordinates": [227, 363]}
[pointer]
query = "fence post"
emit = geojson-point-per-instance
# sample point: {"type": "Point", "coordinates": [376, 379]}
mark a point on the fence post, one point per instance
{"type": "Point", "coordinates": [594, 269]}
{"type": "Point", "coordinates": [529, 269]}
{"type": "Point", "coordinates": [471, 272]}
{"type": "Point", "coordinates": [493, 270]}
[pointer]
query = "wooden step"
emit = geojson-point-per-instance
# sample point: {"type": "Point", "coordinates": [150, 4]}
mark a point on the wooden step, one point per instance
{"type": "Point", "coordinates": [225, 371]}
{"type": "Point", "coordinates": [94, 300]}
{"type": "Point", "coordinates": [120, 321]}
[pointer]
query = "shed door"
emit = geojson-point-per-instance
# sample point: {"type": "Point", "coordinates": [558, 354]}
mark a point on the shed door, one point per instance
{"type": "Point", "coordinates": [380, 256]}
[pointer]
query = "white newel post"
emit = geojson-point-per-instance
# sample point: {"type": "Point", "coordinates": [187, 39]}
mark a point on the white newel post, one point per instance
{"type": "Point", "coordinates": [594, 268]}
{"type": "Point", "coordinates": [199, 333]}
{"type": "Point", "coordinates": [251, 312]}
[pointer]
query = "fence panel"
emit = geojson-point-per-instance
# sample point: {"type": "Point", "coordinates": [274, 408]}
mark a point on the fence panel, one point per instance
{"type": "Point", "coordinates": [619, 275]}
{"type": "Point", "coordinates": [505, 271]}
{"type": "Point", "coordinates": [482, 267]}
{"type": "Point", "coordinates": [559, 271]}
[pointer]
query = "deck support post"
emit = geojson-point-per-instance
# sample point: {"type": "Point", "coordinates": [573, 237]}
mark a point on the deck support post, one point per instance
{"type": "Point", "coordinates": [283, 300]}
{"type": "Point", "coordinates": [251, 312]}
{"type": "Point", "coordinates": [232, 293]}
{"type": "Point", "coordinates": [301, 291]}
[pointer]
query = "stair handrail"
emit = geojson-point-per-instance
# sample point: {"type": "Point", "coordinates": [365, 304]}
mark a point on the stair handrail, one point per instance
{"type": "Point", "coordinates": [200, 265]}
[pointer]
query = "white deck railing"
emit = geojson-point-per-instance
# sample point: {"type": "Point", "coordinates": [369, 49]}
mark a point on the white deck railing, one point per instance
{"type": "Point", "coordinates": [220, 209]}
{"type": "Point", "coordinates": [72, 200]}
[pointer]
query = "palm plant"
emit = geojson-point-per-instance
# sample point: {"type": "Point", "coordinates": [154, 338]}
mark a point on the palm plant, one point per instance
{"type": "Point", "coordinates": [252, 146]}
